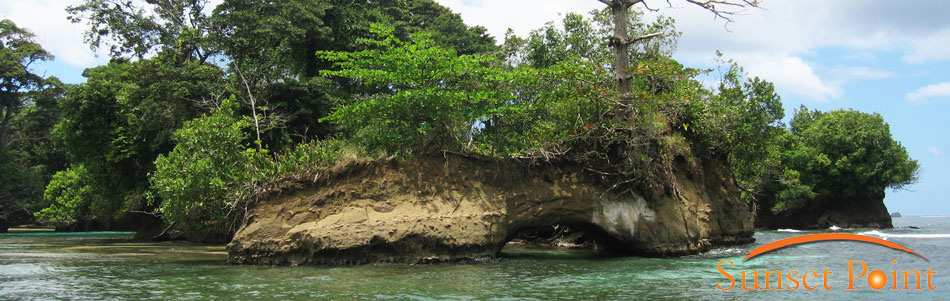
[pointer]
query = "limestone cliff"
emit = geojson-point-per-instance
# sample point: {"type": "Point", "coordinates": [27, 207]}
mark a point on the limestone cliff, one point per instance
{"type": "Point", "coordinates": [449, 207]}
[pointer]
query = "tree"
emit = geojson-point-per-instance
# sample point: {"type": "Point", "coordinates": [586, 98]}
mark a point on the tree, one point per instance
{"type": "Point", "coordinates": [138, 29]}
{"type": "Point", "coordinates": [17, 53]}
{"type": "Point", "coordinates": [621, 39]}
{"type": "Point", "coordinates": [21, 93]}
{"type": "Point", "coordinates": [32, 155]}
{"type": "Point", "coordinates": [206, 183]}
{"type": "Point", "coordinates": [69, 194]}
{"type": "Point", "coordinates": [124, 115]}
{"type": "Point", "coordinates": [31, 130]}
{"type": "Point", "coordinates": [200, 182]}
{"type": "Point", "coordinates": [743, 121]}
{"type": "Point", "coordinates": [271, 40]}
{"type": "Point", "coordinates": [271, 46]}
{"type": "Point", "coordinates": [446, 27]}
{"type": "Point", "coordinates": [847, 154]}
{"type": "Point", "coordinates": [21, 188]}
{"type": "Point", "coordinates": [435, 94]}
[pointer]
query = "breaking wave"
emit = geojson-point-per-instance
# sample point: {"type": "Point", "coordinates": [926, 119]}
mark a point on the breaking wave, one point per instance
{"type": "Point", "coordinates": [885, 236]}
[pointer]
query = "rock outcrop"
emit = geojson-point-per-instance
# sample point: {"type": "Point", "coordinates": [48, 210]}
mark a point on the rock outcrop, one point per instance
{"type": "Point", "coordinates": [450, 207]}
{"type": "Point", "coordinates": [864, 212]}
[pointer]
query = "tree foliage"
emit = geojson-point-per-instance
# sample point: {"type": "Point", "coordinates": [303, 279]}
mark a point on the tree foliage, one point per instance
{"type": "Point", "coordinates": [434, 98]}
{"type": "Point", "coordinates": [204, 185]}
{"type": "Point", "coordinates": [199, 180]}
{"type": "Point", "coordinates": [27, 100]}
{"type": "Point", "coordinates": [169, 131]}
{"type": "Point", "coordinates": [69, 195]}
{"type": "Point", "coordinates": [17, 52]}
{"type": "Point", "coordinates": [139, 28]}
{"type": "Point", "coordinates": [124, 116]}
{"type": "Point", "coordinates": [845, 155]}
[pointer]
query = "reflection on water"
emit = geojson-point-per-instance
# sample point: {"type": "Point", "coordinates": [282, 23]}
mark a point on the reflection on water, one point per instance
{"type": "Point", "coordinates": [107, 266]}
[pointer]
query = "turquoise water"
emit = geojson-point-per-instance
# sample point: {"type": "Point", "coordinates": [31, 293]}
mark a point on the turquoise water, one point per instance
{"type": "Point", "coordinates": [107, 266]}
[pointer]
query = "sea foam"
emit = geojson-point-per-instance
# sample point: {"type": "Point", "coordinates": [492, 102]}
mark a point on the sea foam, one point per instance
{"type": "Point", "coordinates": [885, 236]}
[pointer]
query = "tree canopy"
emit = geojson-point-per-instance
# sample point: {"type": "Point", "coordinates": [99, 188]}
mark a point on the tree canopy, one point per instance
{"type": "Point", "coordinates": [201, 109]}
{"type": "Point", "coordinates": [26, 106]}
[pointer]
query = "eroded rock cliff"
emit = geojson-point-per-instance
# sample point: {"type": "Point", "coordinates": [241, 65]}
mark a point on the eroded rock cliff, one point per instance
{"type": "Point", "coordinates": [449, 207]}
{"type": "Point", "coordinates": [860, 212]}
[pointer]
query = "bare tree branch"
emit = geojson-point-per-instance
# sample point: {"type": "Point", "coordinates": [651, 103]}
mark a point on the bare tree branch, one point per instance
{"type": "Point", "coordinates": [649, 8]}
{"type": "Point", "coordinates": [725, 9]}
{"type": "Point", "coordinates": [644, 37]}
{"type": "Point", "coordinates": [257, 127]}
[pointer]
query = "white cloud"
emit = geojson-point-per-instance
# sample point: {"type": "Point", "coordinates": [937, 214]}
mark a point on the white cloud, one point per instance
{"type": "Point", "coordinates": [934, 150]}
{"type": "Point", "coordinates": [770, 42]}
{"type": "Point", "coordinates": [863, 55]}
{"type": "Point", "coordinates": [47, 20]}
{"type": "Point", "coordinates": [931, 91]}
{"type": "Point", "coordinates": [781, 34]}
{"type": "Point", "coordinates": [931, 48]}
{"type": "Point", "coordinates": [520, 15]}
{"type": "Point", "coordinates": [853, 73]}
{"type": "Point", "coordinates": [791, 75]}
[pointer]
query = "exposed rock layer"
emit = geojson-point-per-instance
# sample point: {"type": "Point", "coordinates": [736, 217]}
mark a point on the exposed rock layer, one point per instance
{"type": "Point", "coordinates": [864, 212]}
{"type": "Point", "coordinates": [448, 207]}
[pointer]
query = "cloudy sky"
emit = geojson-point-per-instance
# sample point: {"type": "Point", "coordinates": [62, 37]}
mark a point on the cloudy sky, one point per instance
{"type": "Point", "coordinates": [890, 57]}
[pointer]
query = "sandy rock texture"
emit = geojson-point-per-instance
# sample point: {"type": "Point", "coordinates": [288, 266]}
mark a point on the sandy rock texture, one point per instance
{"type": "Point", "coordinates": [448, 207]}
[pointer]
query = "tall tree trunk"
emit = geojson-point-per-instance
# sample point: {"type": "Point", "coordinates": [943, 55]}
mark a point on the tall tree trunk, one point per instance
{"type": "Point", "coordinates": [621, 48]}
{"type": "Point", "coordinates": [620, 42]}
{"type": "Point", "coordinates": [5, 125]}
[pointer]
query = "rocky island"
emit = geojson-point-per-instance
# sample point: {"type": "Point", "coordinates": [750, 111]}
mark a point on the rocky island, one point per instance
{"type": "Point", "coordinates": [449, 207]}
{"type": "Point", "coordinates": [376, 131]}
{"type": "Point", "coordinates": [821, 214]}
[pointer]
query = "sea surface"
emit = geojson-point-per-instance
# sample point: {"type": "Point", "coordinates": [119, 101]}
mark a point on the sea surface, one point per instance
{"type": "Point", "coordinates": [105, 265]}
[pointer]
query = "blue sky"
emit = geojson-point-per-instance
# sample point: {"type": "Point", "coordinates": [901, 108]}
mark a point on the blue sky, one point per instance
{"type": "Point", "coordinates": [890, 57]}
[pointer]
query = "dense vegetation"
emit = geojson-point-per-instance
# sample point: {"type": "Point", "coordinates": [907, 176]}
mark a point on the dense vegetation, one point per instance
{"type": "Point", "coordinates": [199, 111]}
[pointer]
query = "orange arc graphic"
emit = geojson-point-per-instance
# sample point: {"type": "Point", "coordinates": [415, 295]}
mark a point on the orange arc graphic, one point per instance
{"type": "Point", "coordinates": [823, 237]}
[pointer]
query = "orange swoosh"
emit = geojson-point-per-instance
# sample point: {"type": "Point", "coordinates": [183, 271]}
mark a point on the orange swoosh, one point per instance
{"type": "Point", "coordinates": [823, 237]}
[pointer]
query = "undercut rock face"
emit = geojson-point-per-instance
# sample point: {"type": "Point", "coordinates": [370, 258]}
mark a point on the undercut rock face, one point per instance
{"type": "Point", "coordinates": [446, 207]}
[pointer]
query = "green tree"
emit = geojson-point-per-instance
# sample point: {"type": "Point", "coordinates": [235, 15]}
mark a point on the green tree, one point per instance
{"type": "Point", "coordinates": [621, 41]}
{"type": "Point", "coordinates": [32, 156]}
{"type": "Point", "coordinates": [22, 92]}
{"type": "Point", "coordinates": [69, 194]}
{"type": "Point", "coordinates": [21, 189]}
{"type": "Point", "coordinates": [743, 120]}
{"type": "Point", "coordinates": [271, 46]}
{"type": "Point", "coordinates": [446, 27]}
{"type": "Point", "coordinates": [123, 117]}
{"type": "Point", "coordinates": [17, 53]}
{"type": "Point", "coordinates": [846, 155]}
{"type": "Point", "coordinates": [271, 40]}
{"type": "Point", "coordinates": [31, 130]}
{"type": "Point", "coordinates": [206, 183]}
{"type": "Point", "coordinates": [201, 180]}
{"type": "Point", "coordinates": [138, 29]}
{"type": "Point", "coordinates": [436, 96]}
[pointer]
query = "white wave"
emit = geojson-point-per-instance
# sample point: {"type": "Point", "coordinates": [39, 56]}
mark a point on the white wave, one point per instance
{"type": "Point", "coordinates": [834, 228]}
{"type": "Point", "coordinates": [789, 230]}
{"type": "Point", "coordinates": [885, 236]}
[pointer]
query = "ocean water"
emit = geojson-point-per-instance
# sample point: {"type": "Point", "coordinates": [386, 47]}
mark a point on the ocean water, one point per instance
{"type": "Point", "coordinates": [106, 266]}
